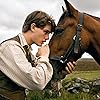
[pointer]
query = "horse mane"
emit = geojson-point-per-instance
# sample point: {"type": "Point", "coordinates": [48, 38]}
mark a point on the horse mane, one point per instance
{"type": "Point", "coordinates": [96, 18]}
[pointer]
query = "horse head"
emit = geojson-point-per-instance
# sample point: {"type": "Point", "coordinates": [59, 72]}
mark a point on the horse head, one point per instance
{"type": "Point", "coordinates": [71, 38]}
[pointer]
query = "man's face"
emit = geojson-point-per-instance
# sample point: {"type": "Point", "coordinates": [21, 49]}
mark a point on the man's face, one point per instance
{"type": "Point", "coordinates": [41, 35]}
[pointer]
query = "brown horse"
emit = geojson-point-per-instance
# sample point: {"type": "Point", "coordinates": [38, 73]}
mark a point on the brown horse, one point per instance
{"type": "Point", "coordinates": [75, 34]}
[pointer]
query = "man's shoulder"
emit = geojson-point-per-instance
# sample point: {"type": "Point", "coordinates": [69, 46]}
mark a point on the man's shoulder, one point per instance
{"type": "Point", "coordinates": [12, 40]}
{"type": "Point", "coordinates": [9, 43]}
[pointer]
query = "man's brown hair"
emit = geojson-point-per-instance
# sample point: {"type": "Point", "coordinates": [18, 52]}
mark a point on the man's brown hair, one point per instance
{"type": "Point", "coordinates": [40, 18]}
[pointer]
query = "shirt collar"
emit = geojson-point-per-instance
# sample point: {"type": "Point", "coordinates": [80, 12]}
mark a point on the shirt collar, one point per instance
{"type": "Point", "coordinates": [23, 40]}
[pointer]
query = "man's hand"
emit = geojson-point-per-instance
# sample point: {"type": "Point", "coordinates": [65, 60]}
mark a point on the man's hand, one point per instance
{"type": "Point", "coordinates": [69, 68]}
{"type": "Point", "coordinates": [43, 51]}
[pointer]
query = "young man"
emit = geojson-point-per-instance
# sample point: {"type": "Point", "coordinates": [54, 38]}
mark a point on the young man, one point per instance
{"type": "Point", "coordinates": [19, 69]}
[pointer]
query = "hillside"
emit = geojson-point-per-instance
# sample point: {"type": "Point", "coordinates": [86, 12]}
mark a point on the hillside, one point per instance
{"type": "Point", "coordinates": [87, 64]}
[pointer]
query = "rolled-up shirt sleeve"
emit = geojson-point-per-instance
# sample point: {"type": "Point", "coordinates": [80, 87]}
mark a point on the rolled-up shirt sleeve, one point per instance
{"type": "Point", "coordinates": [14, 64]}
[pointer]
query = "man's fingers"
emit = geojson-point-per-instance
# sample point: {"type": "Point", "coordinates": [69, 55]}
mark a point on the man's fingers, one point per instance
{"type": "Point", "coordinates": [74, 63]}
{"type": "Point", "coordinates": [67, 69]}
{"type": "Point", "coordinates": [71, 66]}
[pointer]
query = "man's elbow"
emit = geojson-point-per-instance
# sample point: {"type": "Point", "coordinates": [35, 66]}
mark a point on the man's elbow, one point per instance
{"type": "Point", "coordinates": [41, 86]}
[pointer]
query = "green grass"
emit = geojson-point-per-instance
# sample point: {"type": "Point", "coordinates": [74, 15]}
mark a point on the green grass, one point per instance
{"type": "Point", "coordinates": [64, 96]}
{"type": "Point", "coordinates": [88, 75]}
{"type": "Point", "coordinates": [86, 69]}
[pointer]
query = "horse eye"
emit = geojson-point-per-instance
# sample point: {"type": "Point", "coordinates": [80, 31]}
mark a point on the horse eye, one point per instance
{"type": "Point", "coordinates": [58, 31]}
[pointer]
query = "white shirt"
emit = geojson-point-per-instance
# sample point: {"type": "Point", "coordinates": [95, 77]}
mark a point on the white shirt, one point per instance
{"type": "Point", "coordinates": [14, 64]}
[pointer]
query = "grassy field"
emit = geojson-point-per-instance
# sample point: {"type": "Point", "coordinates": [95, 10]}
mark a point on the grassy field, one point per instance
{"type": "Point", "coordinates": [87, 65]}
{"type": "Point", "coordinates": [88, 75]}
{"type": "Point", "coordinates": [85, 69]}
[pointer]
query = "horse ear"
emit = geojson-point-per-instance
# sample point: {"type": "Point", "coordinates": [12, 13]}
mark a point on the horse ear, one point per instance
{"type": "Point", "coordinates": [71, 10]}
{"type": "Point", "coordinates": [63, 9]}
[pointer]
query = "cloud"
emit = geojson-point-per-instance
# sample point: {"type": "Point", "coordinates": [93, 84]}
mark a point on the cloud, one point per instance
{"type": "Point", "coordinates": [14, 12]}
{"type": "Point", "coordinates": [88, 6]}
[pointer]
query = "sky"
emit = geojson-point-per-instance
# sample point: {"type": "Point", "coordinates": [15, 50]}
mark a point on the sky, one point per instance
{"type": "Point", "coordinates": [14, 12]}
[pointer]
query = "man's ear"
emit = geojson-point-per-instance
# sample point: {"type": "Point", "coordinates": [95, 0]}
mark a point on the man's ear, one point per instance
{"type": "Point", "coordinates": [33, 25]}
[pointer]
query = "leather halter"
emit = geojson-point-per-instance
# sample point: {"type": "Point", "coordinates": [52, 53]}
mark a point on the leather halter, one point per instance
{"type": "Point", "coordinates": [74, 47]}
